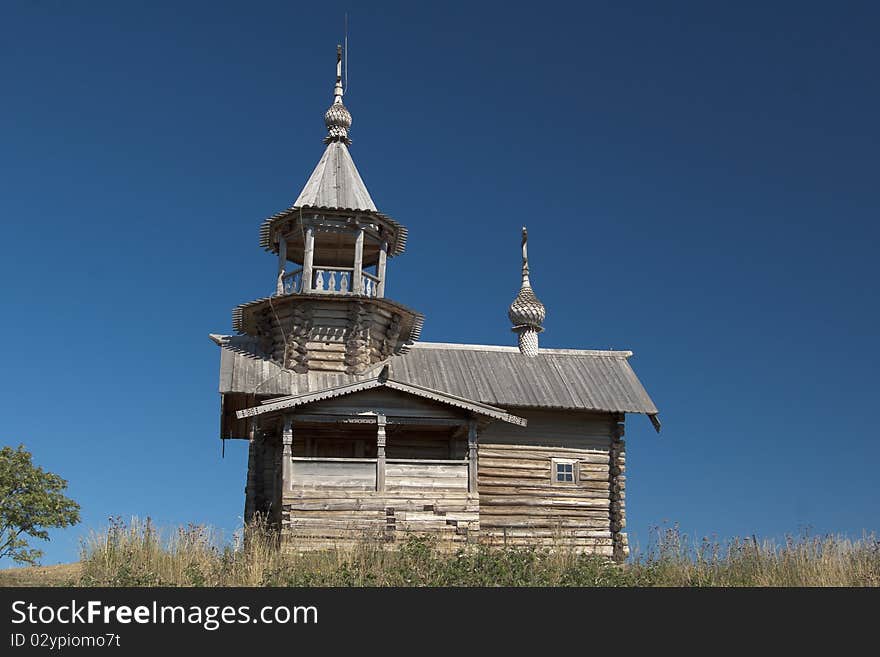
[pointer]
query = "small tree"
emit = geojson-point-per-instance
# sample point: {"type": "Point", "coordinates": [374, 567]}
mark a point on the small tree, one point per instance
{"type": "Point", "coordinates": [31, 501]}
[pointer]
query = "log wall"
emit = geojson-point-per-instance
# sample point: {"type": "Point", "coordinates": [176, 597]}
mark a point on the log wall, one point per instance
{"type": "Point", "coordinates": [263, 488]}
{"type": "Point", "coordinates": [517, 500]}
{"type": "Point", "coordinates": [521, 504]}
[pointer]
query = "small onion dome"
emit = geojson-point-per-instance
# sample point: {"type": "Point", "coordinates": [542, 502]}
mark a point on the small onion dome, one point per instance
{"type": "Point", "coordinates": [527, 313]}
{"type": "Point", "coordinates": [527, 310]}
{"type": "Point", "coordinates": [338, 121]}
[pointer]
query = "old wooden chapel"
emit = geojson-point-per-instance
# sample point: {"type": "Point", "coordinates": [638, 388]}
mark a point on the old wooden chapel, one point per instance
{"type": "Point", "coordinates": [357, 429]}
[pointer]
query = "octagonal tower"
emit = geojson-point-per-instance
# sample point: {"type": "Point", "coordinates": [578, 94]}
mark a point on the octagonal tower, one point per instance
{"type": "Point", "coordinates": [329, 311]}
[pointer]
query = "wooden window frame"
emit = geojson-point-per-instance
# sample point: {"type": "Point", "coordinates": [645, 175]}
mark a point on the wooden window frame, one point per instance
{"type": "Point", "coordinates": [575, 476]}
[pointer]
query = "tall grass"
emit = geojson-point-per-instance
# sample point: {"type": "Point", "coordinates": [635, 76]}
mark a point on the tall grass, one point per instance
{"type": "Point", "coordinates": [137, 554]}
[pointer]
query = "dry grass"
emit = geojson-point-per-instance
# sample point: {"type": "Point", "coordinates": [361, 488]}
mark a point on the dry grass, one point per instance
{"type": "Point", "coordinates": [137, 554]}
{"type": "Point", "coordinates": [65, 574]}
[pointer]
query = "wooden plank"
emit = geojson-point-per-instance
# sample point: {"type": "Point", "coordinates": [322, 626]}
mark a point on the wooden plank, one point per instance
{"type": "Point", "coordinates": [457, 471]}
{"type": "Point", "coordinates": [532, 454]}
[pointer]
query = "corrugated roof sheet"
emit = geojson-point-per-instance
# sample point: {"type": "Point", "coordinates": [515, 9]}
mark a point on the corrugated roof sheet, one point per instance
{"type": "Point", "coordinates": [336, 183]}
{"type": "Point", "coordinates": [500, 376]}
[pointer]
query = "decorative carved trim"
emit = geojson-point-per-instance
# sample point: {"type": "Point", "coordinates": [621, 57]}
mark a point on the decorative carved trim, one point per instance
{"type": "Point", "coordinates": [296, 354]}
{"type": "Point", "coordinates": [265, 333]}
{"type": "Point", "coordinates": [392, 336]}
{"type": "Point", "coordinates": [357, 344]}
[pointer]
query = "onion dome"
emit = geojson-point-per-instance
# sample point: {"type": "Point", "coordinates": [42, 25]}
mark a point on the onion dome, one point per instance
{"type": "Point", "coordinates": [527, 310]}
{"type": "Point", "coordinates": [527, 313]}
{"type": "Point", "coordinates": [338, 121]}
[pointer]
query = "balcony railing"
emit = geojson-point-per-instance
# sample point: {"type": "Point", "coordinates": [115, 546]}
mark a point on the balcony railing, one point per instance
{"type": "Point", "coordinates": [331, 280]}
{"type": "Point", "coordinates": [360, 474]}
{"type": "Point", "coordinates": [292, 282]}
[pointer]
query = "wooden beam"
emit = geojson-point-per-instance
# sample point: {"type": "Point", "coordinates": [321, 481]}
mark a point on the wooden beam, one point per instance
{"type": "Point", "coordinates": [383, 257]}
{"type": "Point", "coordinates": [308, 259]}
{"type": "Point", "coordinates": [380, 452]}
{"type": "Point", "coordinates": [357, 284]}
{"type": "Point", "coordinates": [251, 487]}
{"type": "Point", "coordinates": [282, 263]}
{"type": "Point", "coordinates": [472, 456]}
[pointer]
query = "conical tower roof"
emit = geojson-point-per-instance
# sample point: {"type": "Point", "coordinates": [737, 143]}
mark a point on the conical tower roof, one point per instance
{"type": "Point", "coordinates": [335, 183]}
{"type": "Point", "coordinates": [336, 186]}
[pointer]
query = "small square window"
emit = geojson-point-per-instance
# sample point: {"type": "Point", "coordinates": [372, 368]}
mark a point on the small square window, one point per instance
{"type": "Point", "coordinates": [564, 472]}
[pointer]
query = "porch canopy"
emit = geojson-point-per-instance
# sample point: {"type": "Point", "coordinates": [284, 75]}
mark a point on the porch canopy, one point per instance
{"type": "Point", "coordinates": [353, 435]}
{"type": "Point", "coordinates": [279, 405]}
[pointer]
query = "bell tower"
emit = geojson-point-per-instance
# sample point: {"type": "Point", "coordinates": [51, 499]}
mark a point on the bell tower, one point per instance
{"type": "Point", "coordinates": [329, 311]}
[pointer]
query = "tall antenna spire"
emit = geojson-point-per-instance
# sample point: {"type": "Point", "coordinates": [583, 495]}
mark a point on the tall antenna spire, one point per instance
{"type": "Point", "coordinates": [345, 51]}
{"type": "Point", "coordinates": [337, 118]}
{"type": "Point", "coordinates": [527, 313]}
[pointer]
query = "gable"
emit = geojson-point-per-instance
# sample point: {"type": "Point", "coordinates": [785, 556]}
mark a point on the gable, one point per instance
{"type": "Point", "coordinates": [385, 401]}
{"type": "Point", "coordinates": [276, 406]}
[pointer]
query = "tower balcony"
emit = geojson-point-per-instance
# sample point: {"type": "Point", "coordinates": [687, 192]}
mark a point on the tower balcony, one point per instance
{"type": "Point", "coordinates": [332, 280]}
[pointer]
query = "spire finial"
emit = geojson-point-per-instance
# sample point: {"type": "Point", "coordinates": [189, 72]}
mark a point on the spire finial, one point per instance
{"type": "Point", "coordinates": [527, 313]}
{"type": "Point", "coordinates": [337, 90]}
{"type": "Point", "coordinates": [337, 118]}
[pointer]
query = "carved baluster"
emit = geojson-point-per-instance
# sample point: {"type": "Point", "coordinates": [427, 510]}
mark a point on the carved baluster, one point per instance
{"type": "Point", "coordinates": [343, 282]}
{"type": "Point", "coordinates": [319, 280]}
{"type": "Point", "coordinates": [331, 281]}
{"type": "Point", "coordinates": [368, 287]}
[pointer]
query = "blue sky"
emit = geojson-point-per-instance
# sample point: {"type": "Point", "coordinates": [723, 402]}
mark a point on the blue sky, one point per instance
{"type": "Point", "coordinates": [700, 185]}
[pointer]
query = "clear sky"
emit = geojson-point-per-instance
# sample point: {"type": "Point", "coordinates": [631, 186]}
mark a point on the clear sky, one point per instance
{"type": "Point", "coordinates": [700, 182]}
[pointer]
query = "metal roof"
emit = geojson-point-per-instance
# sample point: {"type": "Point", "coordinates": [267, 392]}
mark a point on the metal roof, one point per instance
{"type": "Point", "coordinates": [571, 379]}
{"type": "Point", "coordinates": [378, 382]}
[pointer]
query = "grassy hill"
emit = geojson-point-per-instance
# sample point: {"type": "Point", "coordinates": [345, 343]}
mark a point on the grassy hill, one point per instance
{"type": "Point", "coordinates": [64, 574]}
{"type": "Point", "coordinates": [140, 555]}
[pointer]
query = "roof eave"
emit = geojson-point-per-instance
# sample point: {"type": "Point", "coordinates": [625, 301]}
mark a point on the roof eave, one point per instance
{"type": "Point", "coordinates": [396, 247]}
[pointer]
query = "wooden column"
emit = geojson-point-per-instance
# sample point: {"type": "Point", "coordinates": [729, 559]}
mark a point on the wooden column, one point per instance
{"type": "Point", "coordinates": [383, 257]}
{"type": "Point", "coordinates": [308, 259]}
{"type": "Point", "coordinates": [380, 452]}
{"type": "Point", "coordinates": [287, 455]}
{"type": "Point", "coordinates": [472, 456]}
{"type": "Point", "coordinates": [250, 491]}
{"type": "Point", "coordinates": [357, 280]}
{"type": "Point", "coordinates": [282, 263]}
